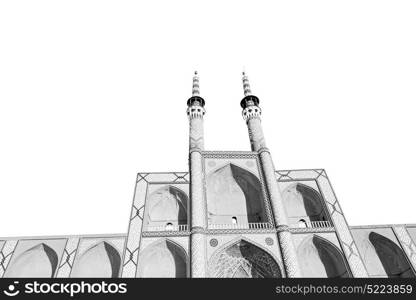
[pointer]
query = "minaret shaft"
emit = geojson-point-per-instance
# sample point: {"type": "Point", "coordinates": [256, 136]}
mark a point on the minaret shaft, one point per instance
{"type": "Point", "coordinates": [255, 133]}
{"type": "Point", "coordinates": [252, 115]}
{"type": "Point", "coordinates": [196, 114]}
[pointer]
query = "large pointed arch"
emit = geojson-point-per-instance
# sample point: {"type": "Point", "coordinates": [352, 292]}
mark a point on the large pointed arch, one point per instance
{"type": "Point", "coordinates": [102, 260]}
{"type": "Point", "coordinates": [234, 194]}
{"type": "Point", "coordinates": [39, 261]}
{"type": "Point", "coordinates": [168, 204]}
{"type": "Point", "coordinates": [243, 259]}
{"type": "Point", "coordinates": [164, 258]}
{"type": "Point", "coordinates": [392, 257]}
{"type": "Point", "coordinates": [319, 257]}
{"type": "Point", "coordinates": [303, 203]}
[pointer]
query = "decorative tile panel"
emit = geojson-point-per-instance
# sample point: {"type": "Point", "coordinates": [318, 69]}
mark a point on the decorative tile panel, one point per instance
{"type": "Point", "coordinates": [131, 251]}
{"type": "Point", "coordinates": [6, 254]}
{"type": "Point", "coordinates": [68, 258]}
{"type": "Point", "coordinates": [338, 219]}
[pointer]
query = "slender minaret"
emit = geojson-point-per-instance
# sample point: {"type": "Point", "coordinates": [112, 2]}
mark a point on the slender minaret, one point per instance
{"type": "Point", "coordinates": [198, 223]}
{"type": "Point", "coordinates": [251, 114]}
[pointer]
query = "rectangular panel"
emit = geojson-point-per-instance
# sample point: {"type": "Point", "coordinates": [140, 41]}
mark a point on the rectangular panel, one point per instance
{"type": "Point", "coordinates": [143, 184]}
{"type": "Point", "coordinates": [36, 258]}
{"type": "Point", "coordinates": [320, 255]}
{"type": "Point", "coordinates": [94, 249]}
{"type": "Point", "coordinates": [334, 209]}
{"type": "Point", "coordinates": [237, 177]}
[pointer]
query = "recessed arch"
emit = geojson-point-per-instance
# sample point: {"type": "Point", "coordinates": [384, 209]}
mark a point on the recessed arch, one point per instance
{"type": "Point", "coordinates": [102, 260]}
{"type": "Point", "coordinates": [168, 204]}
{"type": "Point", "coordinates": [319, 257]}
{"type": "Point", "coordinates": [163, 258]}
{"type": "Point", "coordinates": [392, 257]}
{"type": "Point", "coordinates": [303, 202]}
{"type": "Point", "coordinates": [39, 261]}
{"type": "Point", "coordinates": [243, 259]}
{"type": "Point", "coordinates": [234, 192]}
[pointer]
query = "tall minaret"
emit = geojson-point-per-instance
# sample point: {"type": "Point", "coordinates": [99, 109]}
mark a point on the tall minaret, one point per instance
{"type": "Point", "coordinates": [198, 222]}
{"type": "Point", "coordinates": [196, 114]}
{"type": "Point", "coordinates": [251, 114]}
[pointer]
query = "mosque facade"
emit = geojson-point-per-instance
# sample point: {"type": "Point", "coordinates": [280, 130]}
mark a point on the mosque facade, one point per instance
{"type": "Point", "coordinates": [232, 214]}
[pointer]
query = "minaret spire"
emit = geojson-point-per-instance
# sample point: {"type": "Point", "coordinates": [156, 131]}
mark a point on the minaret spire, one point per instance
{"type": "Point", "coordinates": [195, 84]}
{"type": "Point", "coordinates": [196, 103]}
{"type": "Point", "coordinates": [246, 85]}
{"type": "Point", "coordinates": [250, 105]}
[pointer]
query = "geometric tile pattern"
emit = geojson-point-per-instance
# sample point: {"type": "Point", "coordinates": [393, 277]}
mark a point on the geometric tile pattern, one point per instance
{"type": "Point", "coordinates": [6, 254]}
{"type": "Point", "coordinates": [337, 216]}
{"type": "Point", "coordinates": [290, 175]}
{"type": "Point", "coordinates": [131, 251]}
{"type": "Point", "coordinates": [407, 243]}
{"type": "Point", "coordinates": [253, 258]}
{"type": "Point", "coordinates": [68, 257]}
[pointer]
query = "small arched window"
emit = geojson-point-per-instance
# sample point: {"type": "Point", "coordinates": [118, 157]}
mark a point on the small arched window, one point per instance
{"type": "Point", "coordinates": [302, 223]}
{"type": "Point", "coordinates": [169, 226]}
{"type": "Point", "coordinates": [234, 220]}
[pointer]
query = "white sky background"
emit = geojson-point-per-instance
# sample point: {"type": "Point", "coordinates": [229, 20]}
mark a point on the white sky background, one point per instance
{"type": "Point", "coordinates": [93, 92]}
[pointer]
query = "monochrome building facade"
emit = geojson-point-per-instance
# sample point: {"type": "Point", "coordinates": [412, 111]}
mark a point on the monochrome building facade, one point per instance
{"type": "Point", "coordinates": [231, 214]}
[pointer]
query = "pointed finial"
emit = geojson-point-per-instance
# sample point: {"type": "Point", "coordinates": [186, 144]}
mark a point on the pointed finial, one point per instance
{"type": "Point", "coordinates": [195, 84]}
{"type": "Point", "coordinates": [246, 85]}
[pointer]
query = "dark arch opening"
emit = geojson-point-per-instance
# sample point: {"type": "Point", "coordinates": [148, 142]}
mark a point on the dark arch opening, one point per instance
{"type": "Point", "coordinates": [304, 202]}
{"type": "Point", "coordinates": [392, 257]}
{"type": "Point", "coordinates": [115, 259]}
{"type": "Point", "coordinates": [313, 202]}
{"type": "Point", "coordinates": [331, 258]}
{"type": "Point", "coordinates": [233, 192]}
{"type": "Point", "coordinates": [244, 260]}
{"type": "Point", "coordinates": [179, 259]}
{"type": "Point", "coordinates": [52, 256]}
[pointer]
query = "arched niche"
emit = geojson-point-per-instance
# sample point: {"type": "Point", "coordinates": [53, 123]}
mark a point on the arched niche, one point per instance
{"type": "Point", "coordinates": [39, 261]}
{"type": "Point", "coordinates": [100, 261]}
{"type": "Point", "coordinates": [234, 195]}
{"type": "Point", "coordinates": [318, 257]}
{"type": "Point", "coordinates": [243, 259]}
{"type": "Point", "coordinates": [392, 257]}
{"type": "Point", "coordinates": [303, 203]}
{"type": "Point", "coordinates": [166, 205]}
{"type": "Point", "coordinates": [163, 259]}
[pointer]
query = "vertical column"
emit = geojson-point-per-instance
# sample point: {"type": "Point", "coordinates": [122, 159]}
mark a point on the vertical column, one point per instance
{"type": "Point", "coordinates": [251, 114]}
{"type": "Point", "coordinates": [196, 114]}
